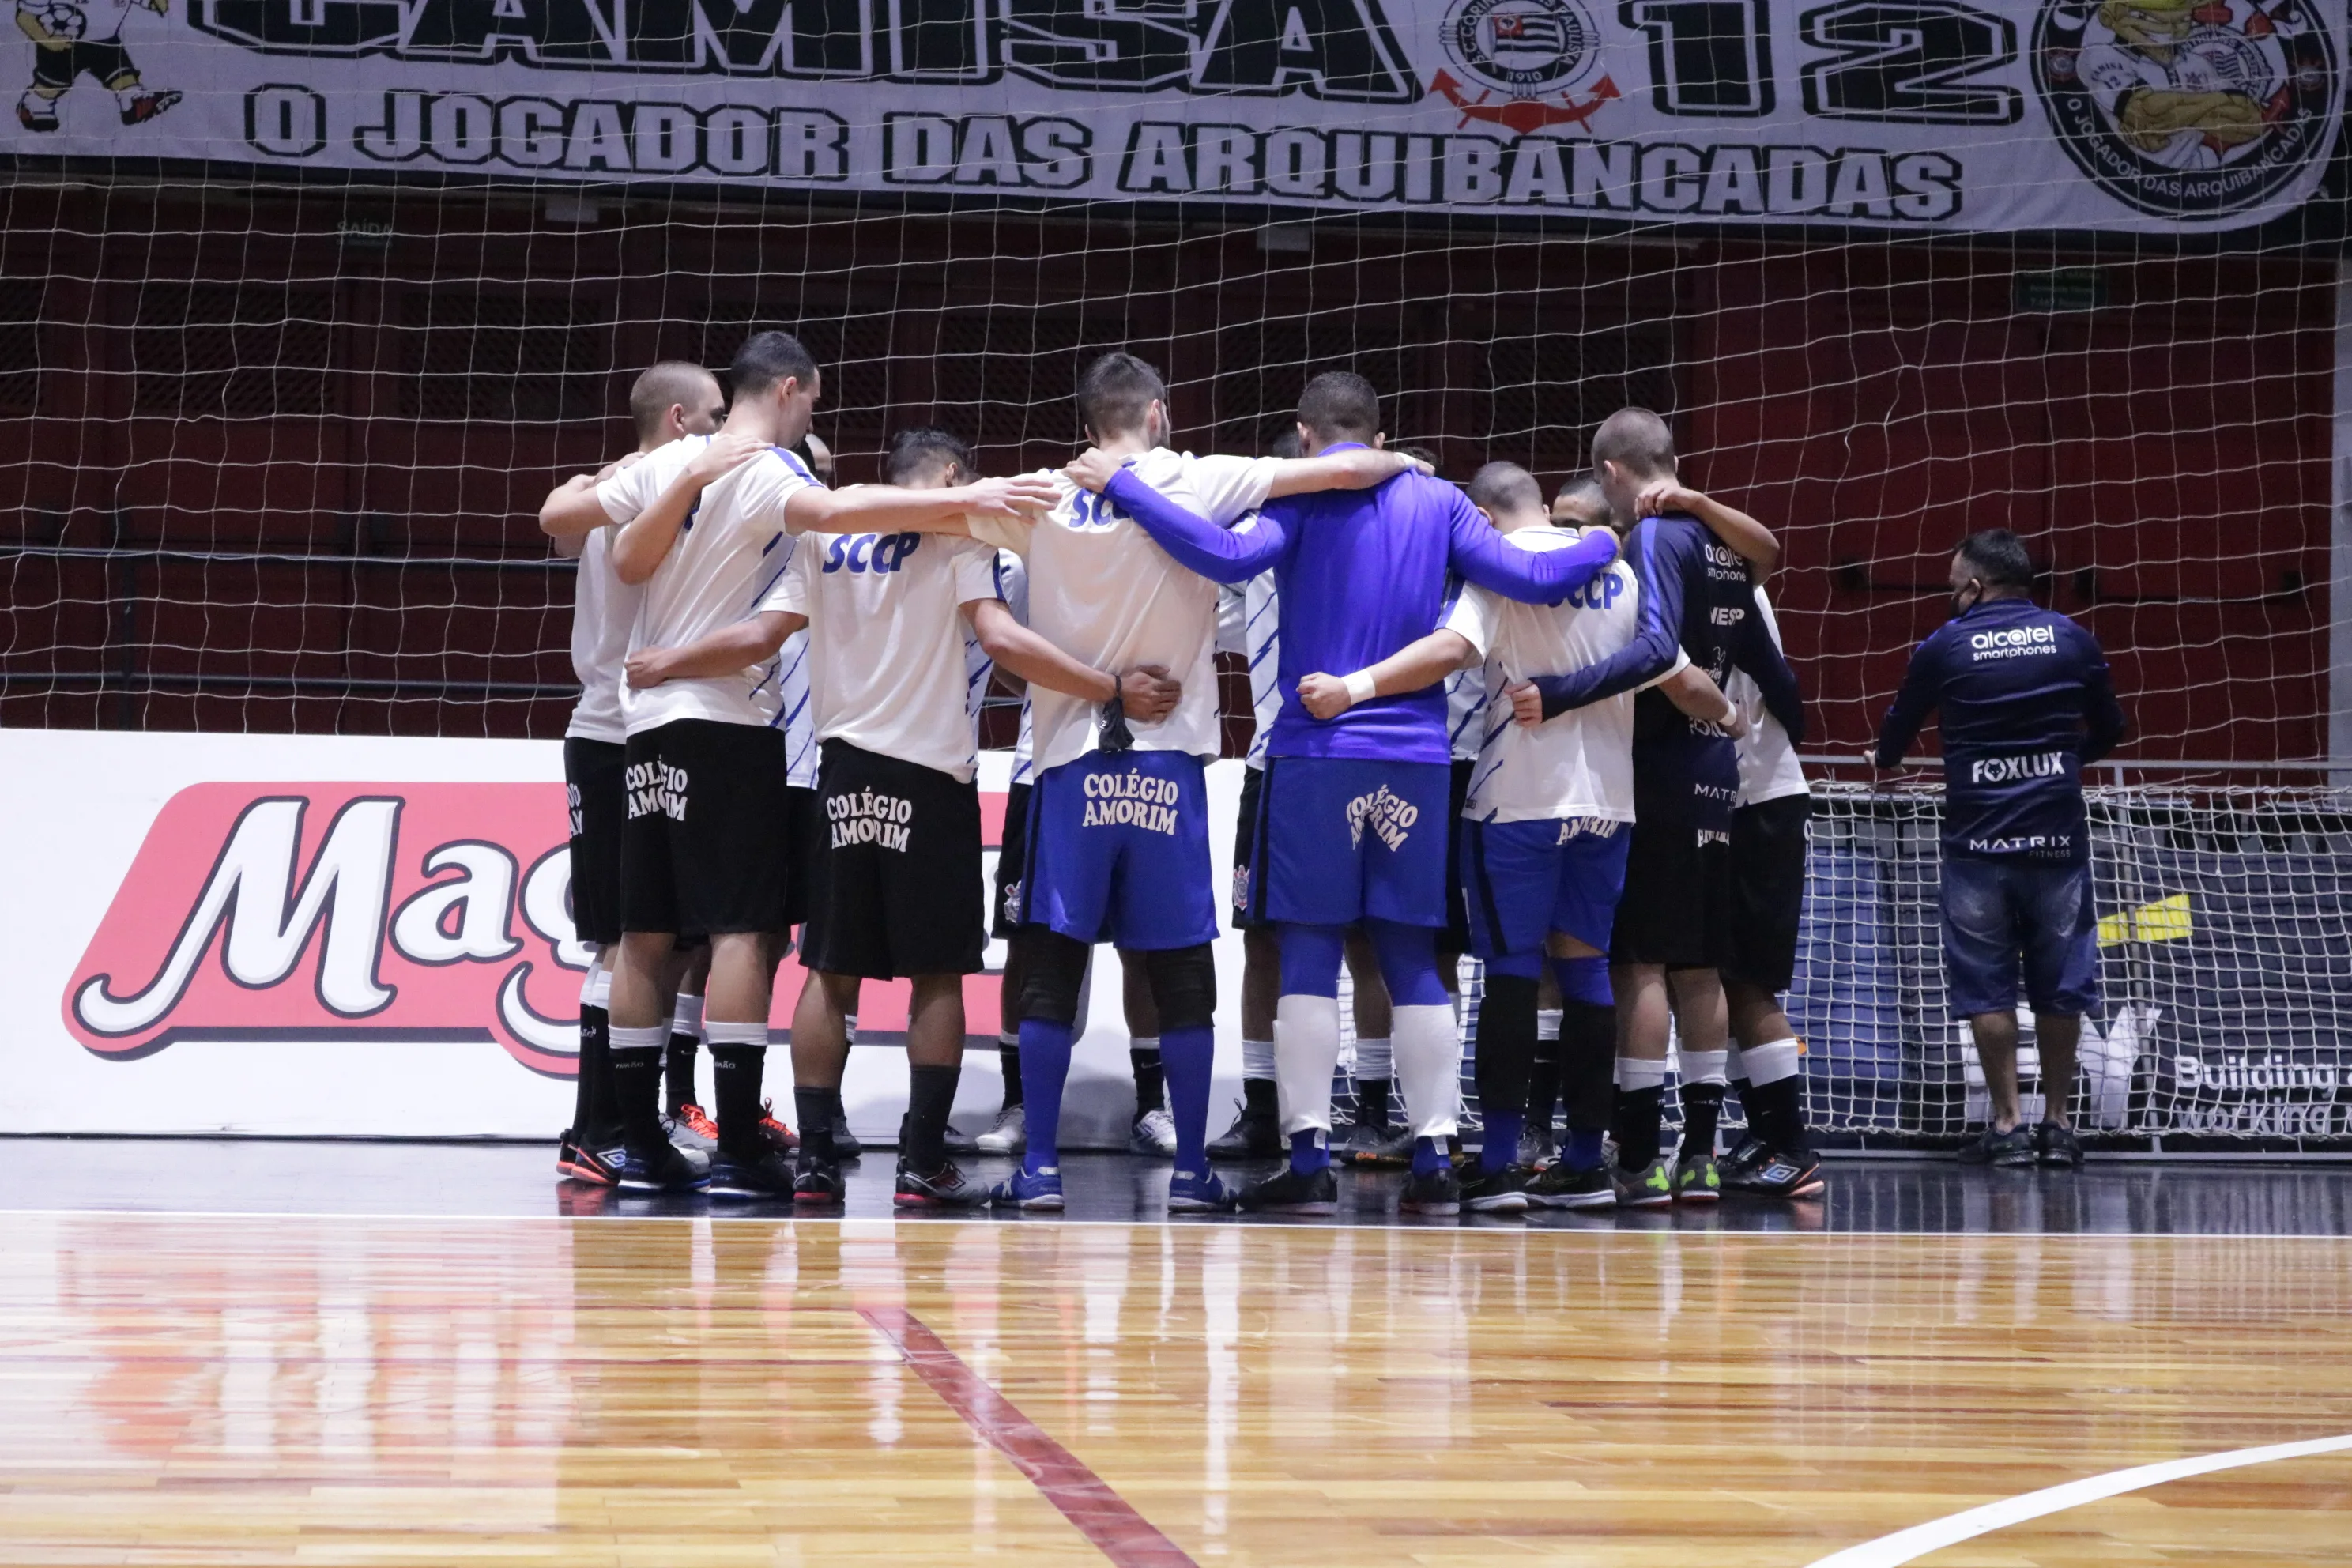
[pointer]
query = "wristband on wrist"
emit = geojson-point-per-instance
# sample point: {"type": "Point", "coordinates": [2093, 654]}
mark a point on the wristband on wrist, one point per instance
{"type": "Point", "coordinates": [1360, 688]}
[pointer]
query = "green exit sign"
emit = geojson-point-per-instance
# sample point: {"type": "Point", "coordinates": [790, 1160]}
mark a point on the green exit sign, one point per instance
{"type": "Point", "coordinates": [2061, 288]}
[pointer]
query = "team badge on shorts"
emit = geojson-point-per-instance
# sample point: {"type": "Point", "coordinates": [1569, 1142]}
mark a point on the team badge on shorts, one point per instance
{"type": "Point", "coordinates": [2188, 109]}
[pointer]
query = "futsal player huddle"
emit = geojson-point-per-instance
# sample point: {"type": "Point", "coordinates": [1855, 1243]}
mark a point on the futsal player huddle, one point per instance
{"type": "Point", "coordinates": [1596, 838]}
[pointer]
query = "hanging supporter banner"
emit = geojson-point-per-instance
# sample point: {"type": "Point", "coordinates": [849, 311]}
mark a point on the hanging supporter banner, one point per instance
{"type": "Point", "coordinates": [1911, 114]}
{"type": "Point", "coordinates": [353, 936]}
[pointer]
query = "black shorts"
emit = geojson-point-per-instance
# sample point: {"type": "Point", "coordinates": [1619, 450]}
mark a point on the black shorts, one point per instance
{"type": "Point", "coordinates": [1677, 908]}
{"type": "Point", "coordinates": [804, 827]}
{"type": "Point", "coordinates": [1012, 854]}
{"type": "Point", "coordinates": [898, 886]}
{"type": "Point", "coordinates": [1454, 936]}
{"type": "Point", "coordinates": [1767, 890]}
{"type": "Point", "coordinates": [706, 850]}
{"type": "Point", "coordinates": [600, 809]}
{"type": "Point", "coordinates": [1246, 835]}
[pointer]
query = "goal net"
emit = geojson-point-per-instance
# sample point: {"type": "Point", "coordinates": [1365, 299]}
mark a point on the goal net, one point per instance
{"type": "Point", "coordinates": [304, 305]}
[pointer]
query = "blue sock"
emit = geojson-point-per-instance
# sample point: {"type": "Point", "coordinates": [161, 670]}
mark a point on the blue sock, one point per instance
{"type": "Point", "coordinates": [1044, 1069]}
{"type": "Point", "coordinates": [1186, 1055]}
{"type": "Point", "coordinates": [1585, 1149]}
{"type": "Point", "coordinates": [1502, 1144]}
{"type": "Point", "coordinates": [1584, 979]}
{"type": "Point", "coordinates": [1408, 956]}
{"type": "Point", "coordinates": [1429, 1155]}
{"type": "Point", "coordinates": [1308, 1153]}
{"type": "Point", "coordinates": [1310, 959]}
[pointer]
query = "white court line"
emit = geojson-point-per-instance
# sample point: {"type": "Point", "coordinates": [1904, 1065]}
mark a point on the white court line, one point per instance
{"type": "Point", "coordinates": [1909, 1545]}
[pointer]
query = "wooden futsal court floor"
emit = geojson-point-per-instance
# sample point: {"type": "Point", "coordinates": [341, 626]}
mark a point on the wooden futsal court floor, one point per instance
{"type": "Point", "coordinates": [222, 1388]}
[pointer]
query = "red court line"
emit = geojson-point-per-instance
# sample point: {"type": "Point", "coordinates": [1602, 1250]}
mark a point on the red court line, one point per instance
{"type": "Point", "coordinates": [1086, 1499]}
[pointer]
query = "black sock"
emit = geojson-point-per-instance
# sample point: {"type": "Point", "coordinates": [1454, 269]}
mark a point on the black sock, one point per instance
{"type": "Point", "coordinates": [1151, 1079]}
{"type": "Point", "coordinates": [735, 1075]}
{"type": "Point", "coordinates": [1702, 1110]}
{"type": "Point", "coordinates": [1543, 1085]}
{"type": "Point", "coordinates": [922, 1144]}
{"type": "Point", "coordinates": [1638, 1115]}
{"type": "Point", "coordinates": [815, 1108]}
{"type": "Point", "coordinates": [596, 1048]}
{"type": "Point", "coordinates": [1777, 1112]}
{"type": "Point", "coordinates": [681, 1072]}
{"type": "Point", "coordinates": [838, 1112]}
{"type": "Point", "coordinates": [1507, 1048]}
{"type": "Point", "coordinates": [1009, 1053]}
{"type": "Point", "coordinates": [1371, 1101]}
{"type": "Point", "coordinates": [636, 1093]}
{"type": "Point", "coordinates": [1261, 1098]}
{"type": "Point", "coordinates": [1587, 1066]}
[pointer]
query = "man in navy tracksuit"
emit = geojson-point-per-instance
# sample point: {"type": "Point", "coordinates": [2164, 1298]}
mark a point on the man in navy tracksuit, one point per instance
{"type": "Point", "coordinates": [2025, 700]}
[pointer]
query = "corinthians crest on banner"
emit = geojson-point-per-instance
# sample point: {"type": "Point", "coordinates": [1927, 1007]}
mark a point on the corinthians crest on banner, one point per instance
{"type": "Point", "coordinates": [1925, 115]}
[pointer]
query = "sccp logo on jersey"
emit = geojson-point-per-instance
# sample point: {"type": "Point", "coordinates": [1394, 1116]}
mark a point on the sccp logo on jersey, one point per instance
{"type": "Point", "coordinates": [317, 912]}
{"type": "Point", "coordinates": [2188, 109]}
{"type": "Point", "coordinates": [1539, 53]}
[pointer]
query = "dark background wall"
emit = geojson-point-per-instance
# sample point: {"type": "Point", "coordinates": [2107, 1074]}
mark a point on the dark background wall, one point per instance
{"type": "Point", "coordinates": [269, 457]}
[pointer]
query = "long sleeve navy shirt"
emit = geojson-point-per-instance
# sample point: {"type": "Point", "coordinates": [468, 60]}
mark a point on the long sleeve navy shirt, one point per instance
{"type": "Point", "coordinates": [2024, 699]}
{"type": "Point", "coordinates": [1697, 595]}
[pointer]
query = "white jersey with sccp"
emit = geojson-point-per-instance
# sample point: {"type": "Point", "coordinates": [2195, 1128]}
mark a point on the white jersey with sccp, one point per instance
{"type": "Point", "coordinates": [1103, 593]}
{"type": "Point", "coordinates": [731, 551]}
{"type": "Point", "coordinates": [603, 609]}
{"type": "Point", "coordinates": [1769, 768]}
{"type": "Point", "coordinates": [1012, 587]}
{"type": "Point", "coordinates": [1582, 762]}
{"type": "Point", "coordinates": [796, 711]}
{"type": "Point", "coordinates": [886, 640]}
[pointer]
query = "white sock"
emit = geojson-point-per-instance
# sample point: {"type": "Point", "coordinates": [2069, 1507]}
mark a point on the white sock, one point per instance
{"type": "Point", "coordinates": [1547, 1023]}
{"type": "Point", "coordinates": [1257, 1058]}
{"type": "Point", "coordinates": [1143, 1042]}
{"type": "Point", "coordinates": [1771, 1062]}
{"type": "Point", "coordinates": [1306, 1053]}
{"type": "Point", "coordinates": [1009, 1037]}
{"type": "Point", "coordinates": [849, 1029]}
{"type": "Point", "coordinates": [1429, 1068]}
{"type": "Point", "coordinates": [687, 1019]}
{"type": "Point", "coordinates": [1634, 1072]}
{"type": "Point", "coordinates": [652, 1037]}
{"type": "Point", "coordinates": [1702, 1067]}
{"type": "Point", "coordinates": [719, 1034]}
{"type": "Point", "coordinates": [1735, 1066]}
{"type": "Point", "coordinates": [1372, 1058]}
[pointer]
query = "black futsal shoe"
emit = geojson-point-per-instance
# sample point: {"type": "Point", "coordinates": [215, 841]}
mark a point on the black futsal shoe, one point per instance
{"type": "Point", "coordinates": [1255, 1134]}
{"type": "Point", "coordinates": [1437, 1192]}
{"type": "Point", "coordinates": [763, 1173]}
{"type": "Point", "coordinates": [1496, 1192]}
{"type": "Point", "coordinates": [1557, 1187]}
{"type": "Point", "coordinates": [945, 1188]}
{"type": "Point", "coordinates": [1776, 1175]}
{"type": "Point", "coordinates": [2014, 1147]}
{"type": "Point", "coordinates": [2058, 1146]}
{"type": "Point", "coordinates": [1289, 1191]}
{"type": "Point", "coordinates": [661, 1168]}
{"type": "Point", "coordinates": [818, 1183]}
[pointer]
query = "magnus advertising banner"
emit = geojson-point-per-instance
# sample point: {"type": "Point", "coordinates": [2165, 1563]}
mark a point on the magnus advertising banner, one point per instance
{"type": "Point", "coordinates": [1909, 114]}
{"type": "Point", "coordinates": [365, 937]}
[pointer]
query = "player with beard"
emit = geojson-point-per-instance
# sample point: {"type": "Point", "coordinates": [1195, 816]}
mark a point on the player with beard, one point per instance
{"type": "Point", "coordinates": [1352, 828]}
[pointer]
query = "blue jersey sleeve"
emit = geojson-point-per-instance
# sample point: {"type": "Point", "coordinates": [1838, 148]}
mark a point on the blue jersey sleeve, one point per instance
{"type": "Point", "coordinates": [1220, 554]}
{"type": "Point", "coordinates": [2104, 722]}
{"type": "Point", "coordinates": [1923, 688]}
{"type": "Point", "coordinates": [1484, 557]}
{"type": "Point", "coordinates": [1658, 566]}
{"type": "Point", "coordinates": [1754, 654]}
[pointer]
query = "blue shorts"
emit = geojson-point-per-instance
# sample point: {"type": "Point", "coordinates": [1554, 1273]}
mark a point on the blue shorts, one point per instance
{"type": "Point", "coordinates": [1341, 839]}
{"type": "Point", "coordinates": [1527, 879]}
{"type": "Point", "coordinates": [1118, 851]}
{"type": "Point", "coordinates": [1998, 913]}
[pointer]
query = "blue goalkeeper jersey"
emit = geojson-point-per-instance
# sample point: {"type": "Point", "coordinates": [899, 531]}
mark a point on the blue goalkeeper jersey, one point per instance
{"type": "Point", "coordinates": [2023, 698]}
{"type": "Point", "coordinates": [1361, 575]}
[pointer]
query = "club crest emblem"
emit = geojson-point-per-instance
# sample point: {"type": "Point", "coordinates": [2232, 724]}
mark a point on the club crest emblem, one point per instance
{"type": "Point", "coordinates": [2188, 109]}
